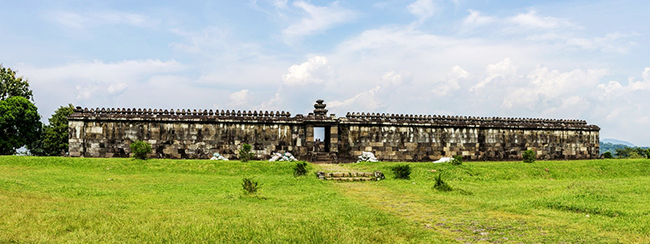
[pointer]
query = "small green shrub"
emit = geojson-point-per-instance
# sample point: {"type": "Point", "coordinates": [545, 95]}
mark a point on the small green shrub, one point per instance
{"type": "Point", "coordinates": [529, 156]}
{"type": "Point", "coordinates": [607, 155]}
{"type": "Point", "coordinates": [458, 160]}
{"type": "Point", "coordinates": [647, 153]}
{"type": "Point", "coordinates": [245, 153]}
{"type": "Point", "coordinates": [250, 186]}
{"type": "Point", "coordinates": [140, 150]}
{"type": "Point", "coordinates": [402, 171]}
{"type": "Point", "coordinates": [441, 185]}
{"type": "Point", "coordinates": [300, 169]}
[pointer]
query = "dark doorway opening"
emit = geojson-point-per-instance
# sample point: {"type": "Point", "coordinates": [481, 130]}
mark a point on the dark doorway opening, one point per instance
{"type": "Point", "coordinates": [322, 139]}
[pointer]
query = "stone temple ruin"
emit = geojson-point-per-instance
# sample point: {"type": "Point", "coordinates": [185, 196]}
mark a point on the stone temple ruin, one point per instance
{"type": "Point", "coordinates": [391, 137]}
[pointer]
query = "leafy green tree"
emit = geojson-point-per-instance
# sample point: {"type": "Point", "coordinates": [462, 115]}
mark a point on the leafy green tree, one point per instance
{"type": "Point", "coordinates": [11, 86]}
{"type": "Point", "coordinates": [19, 124]}
{"type": "Point", "coordinates": [54, 137]}
{"type": "Point", "coordinates": [631, 152]}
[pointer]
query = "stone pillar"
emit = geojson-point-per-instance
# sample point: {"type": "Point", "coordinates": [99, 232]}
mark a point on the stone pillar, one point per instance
{"type": "Point", "coordinates": [76, 136]}
{"type": "Point", "coordinates": [334, 139]}
{"type": "Point", "coordinates": [310, 138]}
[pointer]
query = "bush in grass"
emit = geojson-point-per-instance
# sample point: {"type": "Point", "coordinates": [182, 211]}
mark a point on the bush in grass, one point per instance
{"type": "Point", "coordinates": [250, 186]}
{"type": "Point", "coordinates": [607, 155]}
{"type": "Point", "coordinates": [245, 153]}
{"type": "Point", "coordinates": [529, 156]}
{"type": "Point", "coordinates": [140, 150]}
{"type": "Point", "coordinates": [441, 185]}
{"type": "Point", "coordinates": [300, 169]}
{"type": "Point", "coordinates": [458, 160]}
{"type": "Point", "coordinates": [647, 153]}
{"type": "Point", "coordinates": [402, 171]}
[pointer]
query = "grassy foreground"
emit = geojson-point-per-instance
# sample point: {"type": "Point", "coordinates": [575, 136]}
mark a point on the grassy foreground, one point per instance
{"type": "Point", "coordinates": [81, 200]}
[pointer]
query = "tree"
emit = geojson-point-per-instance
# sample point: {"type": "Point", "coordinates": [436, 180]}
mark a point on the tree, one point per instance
{"type": "Point", "coordinates": [245, 153]}
{"type": "Point", "coordinates": [11, 86]}
{"type": "Point", "coordinates": [631, 152]}
{"type": "Point", "coordinates": [19, 124]}
{"type": "Point", "coordinates": [54, 137]}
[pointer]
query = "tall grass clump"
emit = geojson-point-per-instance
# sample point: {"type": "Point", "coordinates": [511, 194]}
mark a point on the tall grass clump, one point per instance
{"type": "Point", "coordinates": [250, 186]}
{"type": "Point", "coordinates": [402, 171]}
{"type": "Point", "coordinates": [441, 185]}
{"type": "Point", "coordinates": [300, 169]}
{"type": "Point", "coordinates": [140, 150]}
{"type": "Point", "coordinates": [529, 156]}
{"type": "Point", "coordinates": [245, 153]}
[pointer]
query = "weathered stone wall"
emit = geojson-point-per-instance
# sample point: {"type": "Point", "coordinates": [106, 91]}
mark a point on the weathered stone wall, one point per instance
{"type": "Point", "coordinates": [420, 138]}
{"type": "Point", "coordinates": [184, 135]}
{"type": "Point", "coordinates": [192, 134]}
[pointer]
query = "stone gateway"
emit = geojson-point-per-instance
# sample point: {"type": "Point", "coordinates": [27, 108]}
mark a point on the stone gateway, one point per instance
{"type": "Point", "coordinates": [391, 137]}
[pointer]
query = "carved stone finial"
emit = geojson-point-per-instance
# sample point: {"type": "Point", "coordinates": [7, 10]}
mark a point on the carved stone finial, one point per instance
{"type": "Point", "coordinates": [319, 108]}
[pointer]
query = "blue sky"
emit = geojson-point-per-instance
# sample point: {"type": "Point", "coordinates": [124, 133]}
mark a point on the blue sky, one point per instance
{"type": "Point", "coordinates": [554, 59]}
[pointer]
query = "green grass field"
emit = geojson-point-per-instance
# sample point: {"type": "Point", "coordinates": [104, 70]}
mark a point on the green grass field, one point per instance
{"type": "Point", "coordinates": [81, 200]}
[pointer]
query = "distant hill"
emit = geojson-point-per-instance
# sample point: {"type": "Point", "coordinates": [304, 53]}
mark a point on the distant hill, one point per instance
{"type": "Point", "coordinates": [614, 141]}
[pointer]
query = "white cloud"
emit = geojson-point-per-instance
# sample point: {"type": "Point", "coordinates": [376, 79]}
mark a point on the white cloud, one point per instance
{"type": "Point", "coordinates": [100, 90]}
{"type": "Point", "coordinates": [315, 70]}
{"type": "Point", "coordinates": [569, 108]}
{"type": "Point", "coordinates": [216, 44]}
{"type": "Point", "coordinates": [393, 78]}
{"type": "Point", "coordinates": [239, 99]}
{"type": "Point", "coordinates": [451, 84]}
{"type": "Point", "coordinates": [611, 42]}
{"type": "Point", "coordinates": [615, 89]}
{"type": "Point", "coordinates": [117, 88]}
{"type": "Point", "coordinates": [92, 19]}
{"type": "Point", "coordinates": [547, 86]}
{"type": "Point", "coordinates": [364, 101]}
{"type": "Point", "coordinates": [532, 20]}
{"type": "Point", "coordinates": [423, 9]}
{"type": "Point", "coordinates": [502, 70]}
{"type": "Point", "coordinates": [475, 19]}
{"type": "Point", "coordinates": [553, 83]}
{"type": "Point", "coordinates": [95, 83]}
{"type": "Point", "coordinates": [317, 19]}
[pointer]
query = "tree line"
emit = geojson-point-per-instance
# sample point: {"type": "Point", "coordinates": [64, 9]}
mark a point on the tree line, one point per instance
{"type": "Point", "coordinates": [610, 150]}
{"type": "Point", "coordinates": [20, 124]}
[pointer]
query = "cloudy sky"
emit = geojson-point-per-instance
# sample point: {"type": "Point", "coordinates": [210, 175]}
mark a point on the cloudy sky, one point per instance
{"type": "Point", "coordinates": [554, 59]}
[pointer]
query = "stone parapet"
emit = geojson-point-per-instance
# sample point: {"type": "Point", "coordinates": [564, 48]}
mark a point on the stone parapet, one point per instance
{"type": "Point", "coordinates": [465, 121]}
{"type": "Point", "coordinates": [182, 115]}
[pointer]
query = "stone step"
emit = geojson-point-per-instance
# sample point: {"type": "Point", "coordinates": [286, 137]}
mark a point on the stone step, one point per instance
{"type": "Point", "coordinates": [323, 162]}
{"type": "Point", "coordinates": [351, 176]}
{"type": "Point", "coordinates": [350, 179]}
